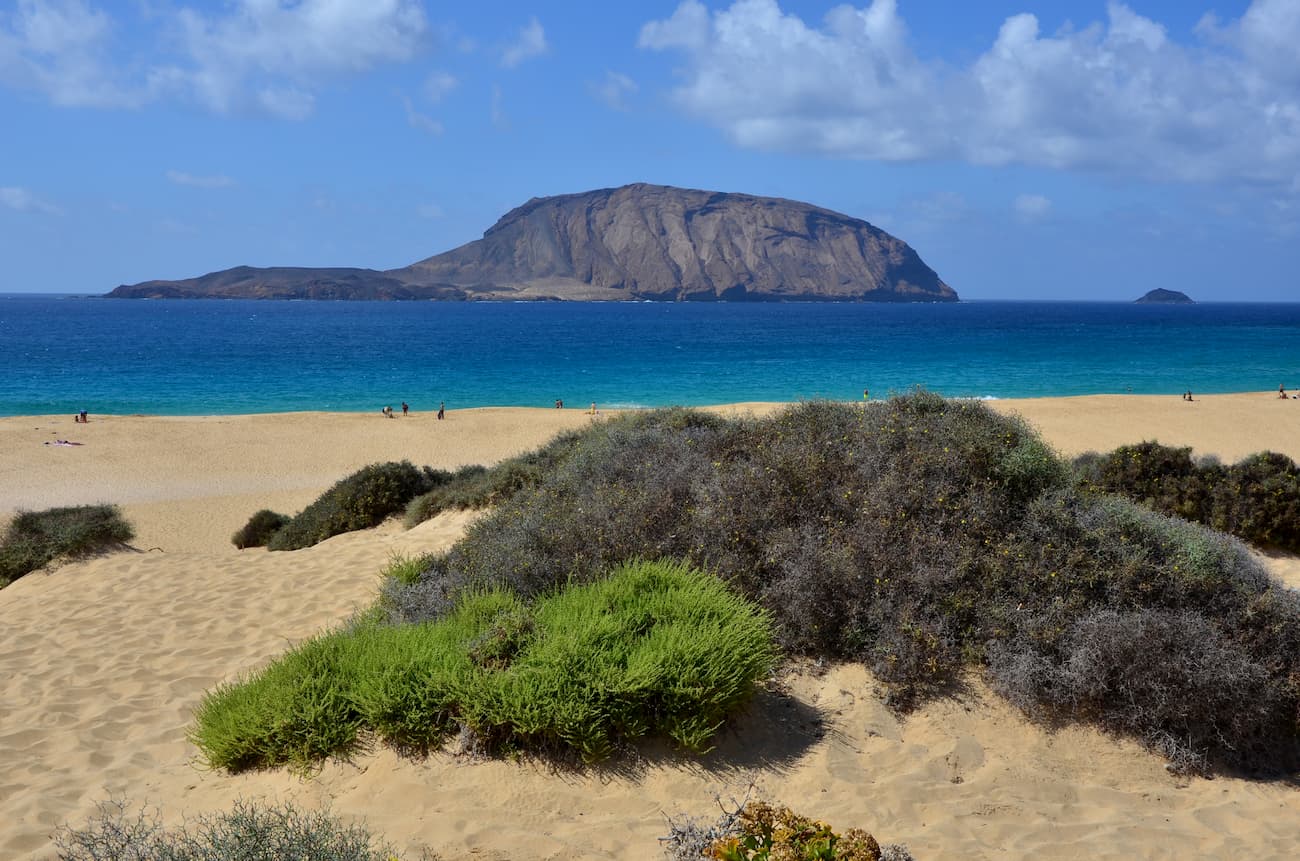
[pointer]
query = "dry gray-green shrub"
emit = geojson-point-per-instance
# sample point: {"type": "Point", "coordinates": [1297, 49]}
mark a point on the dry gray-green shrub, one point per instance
{"type": "Point", "coordinates": [36, 538]}
{"type": "Point", "coordinates": [918, 536]}
{"type": "Point", "coordinates": [248, 832]}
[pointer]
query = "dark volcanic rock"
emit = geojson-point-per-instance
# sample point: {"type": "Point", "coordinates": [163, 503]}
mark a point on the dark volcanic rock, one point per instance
{"type": "Point", "coordinates": [1161, 296]}
{"type": "Point", "coordinates": [633, 242]}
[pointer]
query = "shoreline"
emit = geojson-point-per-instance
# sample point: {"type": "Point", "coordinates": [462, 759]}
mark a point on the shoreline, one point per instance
{"type": "Point", "coordinates": [188, 482]}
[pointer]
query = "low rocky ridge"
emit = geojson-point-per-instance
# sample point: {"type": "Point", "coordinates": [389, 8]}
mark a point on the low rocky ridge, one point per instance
{"type": "Point", "coordinates": [636, 242]}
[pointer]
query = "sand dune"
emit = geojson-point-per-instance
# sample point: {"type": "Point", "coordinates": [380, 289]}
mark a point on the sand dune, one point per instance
{"type": "Point", "coordinates": [103, 661]}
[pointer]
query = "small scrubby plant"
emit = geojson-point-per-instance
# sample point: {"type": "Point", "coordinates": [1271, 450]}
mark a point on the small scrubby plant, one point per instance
{"type": "Point", "coordinates": [362, 500]}
{"type": "Point", "coordinates": [248, 832]}
{"type": "Point", "coordinates": [259, 529]}
{"type": "Point", "coordinates": [36, 538]}
{"type": "Point", "coordinates": [657, 648]}
{"type": "Point", "coordinates": [758, 831]}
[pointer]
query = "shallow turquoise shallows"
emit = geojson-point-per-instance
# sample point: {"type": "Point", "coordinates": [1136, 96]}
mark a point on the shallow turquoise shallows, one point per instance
{"type": "Point", "coordinates": [64, 354]}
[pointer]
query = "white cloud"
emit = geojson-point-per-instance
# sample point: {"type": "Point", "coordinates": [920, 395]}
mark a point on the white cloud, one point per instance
{"type": "Point", "coordinates": [438, 85]}
{"type": "Point", "coordinates": [500, 121]}
{"type": "Point", "coordinates": [614, 90]}
{"type": "Point", "coordinates": [1118, 96]}
{"type": "Point", "coordinates": [269, 56]}
{"type": "Point", "coordinates": [60, 48]}
{"type": "Point", "coordinates": [181, 178]}
{"type": "Point", "coordinates": [22, 200]}
{"type": "Point", "coordinates": [421, 121]}
{"type": "Point", "coordinates": [530, 43]}
{"type": "Point", "coordinates": [1032, 207]}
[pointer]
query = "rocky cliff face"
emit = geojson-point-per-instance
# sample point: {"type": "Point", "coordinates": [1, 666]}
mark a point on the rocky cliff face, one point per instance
{"type": "Point", "coordinates": [636, 242]}
{"type": "Point", "coordinates": [656, 242]}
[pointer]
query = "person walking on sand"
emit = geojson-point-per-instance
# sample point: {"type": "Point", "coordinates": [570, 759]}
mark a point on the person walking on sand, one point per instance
{"type": "Point", "coordinates": [406, 408]}
{"type": "Point", "coordinates": [442, 409]}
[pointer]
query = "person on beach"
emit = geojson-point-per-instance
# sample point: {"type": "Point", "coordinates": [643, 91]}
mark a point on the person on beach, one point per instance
{"type": "Point", "coordinates": [442, 409]}
{"type": "Point", "coordinates": [866, 395]}
{"type": "Point", "coordinates": [406, 408]}
{"type": "Point", "coordinates": [388, 412]}
{"type": "Point", "coordinates": [1281, 391]}
{"type": "Point", "coordinates": [81, 417]}
{"type": "Point", "coordinates": [592, 411]}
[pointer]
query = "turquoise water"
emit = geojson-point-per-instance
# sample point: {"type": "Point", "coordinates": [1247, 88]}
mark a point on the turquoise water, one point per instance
{"type": "Point", "coordinates": [62, 354]}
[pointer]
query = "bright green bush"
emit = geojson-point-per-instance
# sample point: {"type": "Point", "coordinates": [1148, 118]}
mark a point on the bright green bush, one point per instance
{"type": "Point", "coordinates": [918, 536]}
{"type": "Point", "coordinates": [259, 529]}
{"type": "Point", "coordinates": [36, 538]}
{"type": "Point", "coordinates": [362, 500]}
{"type": "Point", "coordinates": [248, 832]}
{"type": "Point", "coordinates": [655, 649]}
{"type": "Point", "coordinates": [296, 712]}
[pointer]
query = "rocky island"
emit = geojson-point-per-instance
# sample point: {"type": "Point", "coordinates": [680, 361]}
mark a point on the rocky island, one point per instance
{"type": "Point", "coordinates": [636, 242]}
{"type": "Point", "coordinates": [1161, 296]}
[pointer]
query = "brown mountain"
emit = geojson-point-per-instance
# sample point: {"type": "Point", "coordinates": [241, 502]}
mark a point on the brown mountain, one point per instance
{"type": "Point", "coordinates": [633, 242]}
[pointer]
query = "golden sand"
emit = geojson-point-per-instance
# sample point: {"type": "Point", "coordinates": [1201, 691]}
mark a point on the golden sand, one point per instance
{"type": "Point", "coordinates": [103, 661]}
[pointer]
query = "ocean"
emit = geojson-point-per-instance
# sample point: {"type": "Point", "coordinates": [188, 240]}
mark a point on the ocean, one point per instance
{"type": "Point", "coordinates": [61, 354]}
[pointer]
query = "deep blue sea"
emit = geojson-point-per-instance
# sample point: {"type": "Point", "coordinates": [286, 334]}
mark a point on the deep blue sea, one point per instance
{"type": "Point", "coordinates": [60, 354]}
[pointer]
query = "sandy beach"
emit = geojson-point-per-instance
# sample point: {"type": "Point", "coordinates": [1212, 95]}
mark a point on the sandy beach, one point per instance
{"type": "Point", "coordinates": [103, 661]}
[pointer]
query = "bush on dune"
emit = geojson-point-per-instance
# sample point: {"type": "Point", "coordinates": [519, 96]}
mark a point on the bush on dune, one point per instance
{"type": "Point", "coordinates": [918, 536]}
{"type": "Point", "coordinates": [482, 487]}
{"type": "Point", "coordinates": [362, 500]}
{"type": "Point", "coordinates": [36, 538]}
{"type": "Point", "coordinates": [259, 529]}
{"type": "Point", "coordinates": [653, 649]}
{"type": "Point", "coordinates": [1257, 499]}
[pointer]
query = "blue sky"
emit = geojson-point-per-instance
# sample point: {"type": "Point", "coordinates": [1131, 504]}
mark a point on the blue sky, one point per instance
{"type": "Point", "coordinates": [1027, 149]}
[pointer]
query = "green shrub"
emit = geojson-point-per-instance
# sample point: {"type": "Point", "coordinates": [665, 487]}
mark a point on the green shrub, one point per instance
{"type": "Point", "coordinates": [296, 712]}
{"type": "Point", "coordinates": [468, 487]}
{"type": "Point", "coordinates": [654, 649]}
{"type": "Point", "coordinates": [1257, 500]}
{"type": "Point", "coordinates": [36, 538]}
{"type": "Point", "coordinates": [482, 487]}
{"type": "Point", "coordinates": [249, 832]}
{"type": "Point", "coordinates": [918, 536]}
{"type": "Point", "coordinates": [362, 500]}
{"type": "Point", "coordinates": [259, 529]}
{"type": "Point", "coordinates": [407, 569]}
